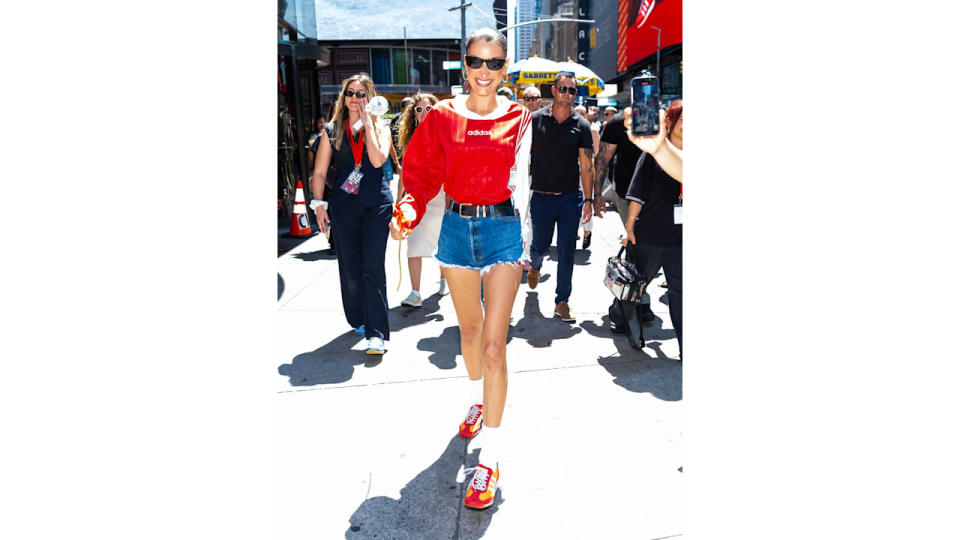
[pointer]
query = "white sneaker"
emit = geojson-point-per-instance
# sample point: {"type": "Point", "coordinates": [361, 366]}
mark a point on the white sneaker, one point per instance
{"type": "Point", "coordinates": [413, 300]}
{"type": "Point", "coordinates": [374, 346]}
{"type": "Point", "coordinates": [443, 288]}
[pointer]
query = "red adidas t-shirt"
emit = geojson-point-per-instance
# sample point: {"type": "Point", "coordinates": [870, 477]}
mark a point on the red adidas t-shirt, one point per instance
{"type": "Point", "coordinates": [477, 159]}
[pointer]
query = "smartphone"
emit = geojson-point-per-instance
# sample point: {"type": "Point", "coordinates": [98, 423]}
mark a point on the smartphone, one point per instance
{"type": "Point", "coordinates": [645, 97]}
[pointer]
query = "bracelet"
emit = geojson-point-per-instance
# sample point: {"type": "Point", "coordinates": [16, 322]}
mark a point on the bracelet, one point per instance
{"type": "Point", "coordinates": [317, 202]}
{"type": "Point", "coordinates": [588, 200]}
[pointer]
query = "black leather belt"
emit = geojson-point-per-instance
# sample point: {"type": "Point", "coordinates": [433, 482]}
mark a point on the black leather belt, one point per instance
{"type": "Point", "coordinates": [501, 209]}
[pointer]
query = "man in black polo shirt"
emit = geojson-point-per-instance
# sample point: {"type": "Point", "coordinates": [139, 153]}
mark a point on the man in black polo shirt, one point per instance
{"type": "Point", "coordinates": [561, 137]}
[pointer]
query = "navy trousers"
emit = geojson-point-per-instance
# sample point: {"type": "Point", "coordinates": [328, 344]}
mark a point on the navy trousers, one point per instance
{"type": "Point", "coordinates": [361, 237]}
{"type": "Point", "coordinates": [564, 211]}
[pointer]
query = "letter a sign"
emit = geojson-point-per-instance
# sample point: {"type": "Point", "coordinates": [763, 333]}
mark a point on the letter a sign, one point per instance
{"type": "Point", "coordinates": [646, 7]}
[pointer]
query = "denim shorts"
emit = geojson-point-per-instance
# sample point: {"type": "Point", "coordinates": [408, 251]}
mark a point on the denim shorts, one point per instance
{"type": "Point", "coordinates": [479, 243]}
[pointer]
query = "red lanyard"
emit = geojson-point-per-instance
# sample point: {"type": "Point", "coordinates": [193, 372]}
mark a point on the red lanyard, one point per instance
{"type": "Point", "coordinates": [355, 146]}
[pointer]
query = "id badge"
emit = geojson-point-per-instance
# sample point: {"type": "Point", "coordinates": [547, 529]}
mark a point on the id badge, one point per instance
{"type": "Point", "coordinates": [352, 184]}
{"type": "Point", "coordinates": [678, 214]}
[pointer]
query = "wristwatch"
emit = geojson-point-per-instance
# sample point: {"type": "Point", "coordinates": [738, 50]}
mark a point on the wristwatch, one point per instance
{"type": "Point", "coordinates": [588, 200]}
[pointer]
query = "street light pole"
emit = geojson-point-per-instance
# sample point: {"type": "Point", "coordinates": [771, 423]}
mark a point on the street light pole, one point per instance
{"type": "Point", "coordinates": [658, 50]}
{"type": "Point", "coordinates": [463, 28]}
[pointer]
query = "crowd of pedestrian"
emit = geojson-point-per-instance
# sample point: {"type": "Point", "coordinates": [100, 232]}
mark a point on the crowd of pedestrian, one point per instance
{"type": "Point", "coordinates": [485, 180]}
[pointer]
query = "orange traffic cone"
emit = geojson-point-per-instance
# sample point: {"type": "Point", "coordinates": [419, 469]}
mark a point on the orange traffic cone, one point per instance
{"type": "Point", "coordinates": [299, 221]}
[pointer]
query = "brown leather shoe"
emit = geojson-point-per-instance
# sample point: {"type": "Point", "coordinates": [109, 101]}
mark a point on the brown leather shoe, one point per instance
{"type": "Point", "coordinates": [563, 311]}
{"type": "Point", "coordinates": [533, 277]}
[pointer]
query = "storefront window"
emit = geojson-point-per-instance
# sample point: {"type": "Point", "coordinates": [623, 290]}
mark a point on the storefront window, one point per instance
{"type": "Point", "coordinates": [439, 77]}
{"type": "Point", "coordinates": [399, 67]}
{"type": "Point", "coordinates": [420, 74]}
{"type": "Point", "coordinates": [672, 79]}
{"type": "Point", "coordinates": [380, 66]}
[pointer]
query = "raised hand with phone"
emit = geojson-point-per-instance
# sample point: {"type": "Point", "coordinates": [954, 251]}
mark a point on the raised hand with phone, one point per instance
{"type": "Point", "coordinates": [643, 121]}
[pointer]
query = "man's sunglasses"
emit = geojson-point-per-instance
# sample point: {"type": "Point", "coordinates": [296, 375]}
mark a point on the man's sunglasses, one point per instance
{"type": "Point", "coordinates": [421, 110]}
{"type": "Point", "coordinates": [350, 93]}
{"type": "Point", "coordinates": [474, 62]}
{"type": "Point", "coordinates": [567, 90]}
{"type": "Point", "coordinates": [531, 98]}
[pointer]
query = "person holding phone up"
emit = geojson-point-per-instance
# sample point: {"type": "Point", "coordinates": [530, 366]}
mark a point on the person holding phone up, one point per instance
{"type": "Point", "coordinates": [654, 221]}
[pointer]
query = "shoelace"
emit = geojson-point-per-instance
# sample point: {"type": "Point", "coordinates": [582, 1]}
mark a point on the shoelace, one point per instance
{"type": "Point", "coordinates": [480, 478]}
{"type": "Point", "coordinates": [473, 415]}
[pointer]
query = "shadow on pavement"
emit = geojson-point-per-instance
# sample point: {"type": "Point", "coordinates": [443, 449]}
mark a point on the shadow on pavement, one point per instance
{"type": "Point", "coordinates": [334, 362]}
{"type": "Point", "coordinates": [279, 287]}
{"type": "Point", "coordinates": [330, 364]}
{"type": "Point", "coordinates": [638, 371]}
{"type": "Point", "coordinates": [322, 254]}
{"type": "Point", "coordinates": [401, 316]}
{"type": "Point", "coordinates": [581, 257]}
{"type": "Point", "coordinates": [443, 348]}
{"type": "Point", "coordinates": [538, 330]}
{"type": "Point", "coordinates": [430, 505]}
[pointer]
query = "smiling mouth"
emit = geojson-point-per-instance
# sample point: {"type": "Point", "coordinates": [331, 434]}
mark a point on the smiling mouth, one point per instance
{"type": "Point", "coordinates": [484, 83]}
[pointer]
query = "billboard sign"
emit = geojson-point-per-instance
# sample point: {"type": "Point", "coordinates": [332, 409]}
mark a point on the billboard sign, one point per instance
{"type": "Point", "coordinates": [636, 37]}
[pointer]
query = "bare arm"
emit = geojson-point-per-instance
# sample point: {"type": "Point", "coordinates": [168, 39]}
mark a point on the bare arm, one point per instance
{"type": "Point", "coordinates": [586, 180]}
{"type": "Point", "coordinates": [378, 150]}
{"type": "Point", "coordinates": [318, 179]}
{"type": "Point", "coordinates": [320, 166]}
{"type": "Point", "coordinates": [393, 156]}
{"type": "Point", "coordinates": [603, 161]}
{"type": "Point", "coordinates": [632, 214]}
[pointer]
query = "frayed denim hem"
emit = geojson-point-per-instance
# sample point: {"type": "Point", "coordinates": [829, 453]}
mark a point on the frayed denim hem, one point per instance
{"type": "Point", "coordinates": [482, 270]}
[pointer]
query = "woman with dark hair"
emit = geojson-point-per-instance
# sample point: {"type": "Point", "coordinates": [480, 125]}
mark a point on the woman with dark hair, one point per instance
{"type": "Point", "coordinates": [360, 203]}
{"type": "Point", "coordinates": [654, 222]}
{"type": "Point", "coordinates": [423, 241]}
{"type": "Point", "coordinates": [476, 147]}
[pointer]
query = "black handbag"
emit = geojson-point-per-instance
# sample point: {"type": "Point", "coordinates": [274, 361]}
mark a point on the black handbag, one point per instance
{"type": "Point", "coordinates": [623, 279]}
{"type": "Point", "coordinates": [627, 285]}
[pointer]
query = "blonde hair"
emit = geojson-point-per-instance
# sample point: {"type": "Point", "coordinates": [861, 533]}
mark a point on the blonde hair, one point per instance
{"type": "Point", "coordinates": [341, 113]}
{"type": "Point", "coordinates": [409, 120]}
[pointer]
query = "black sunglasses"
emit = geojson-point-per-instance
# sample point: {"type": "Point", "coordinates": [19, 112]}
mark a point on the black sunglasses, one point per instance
{"type": "Point", "coordinates": [421, 110]}
{"type": "Point", "coordinates": [531, 98]}
{"type": "Point", "coordinates": [567, 90]}
{"type": "Point", "coordinates": [350, 93]}
{"type": "Point", "coordinates": [474, 62]}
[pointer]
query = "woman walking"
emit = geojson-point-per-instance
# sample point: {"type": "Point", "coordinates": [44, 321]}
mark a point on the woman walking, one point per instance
{"type": "Point", "coordinates": [477, 148]}
{"type": "Point", "coordinates": [360, 203]}
{"type": "Point", "coordinates": [423, 241]}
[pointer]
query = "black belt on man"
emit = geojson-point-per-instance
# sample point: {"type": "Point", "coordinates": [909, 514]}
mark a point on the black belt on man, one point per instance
{"type": "Point", "coordinates": [501, 209]}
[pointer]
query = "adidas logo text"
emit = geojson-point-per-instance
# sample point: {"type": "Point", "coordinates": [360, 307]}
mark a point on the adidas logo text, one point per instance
{"type": "Point", "coordinates": [480, 132]}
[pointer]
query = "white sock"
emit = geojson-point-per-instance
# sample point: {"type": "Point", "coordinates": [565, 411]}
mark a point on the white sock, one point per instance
{"type": "Point", "coordinates": [476, 392]}
{"type": "Point", "coordinates": [490, 447]}
{"type": "Point", "coordinates": [416, 292]}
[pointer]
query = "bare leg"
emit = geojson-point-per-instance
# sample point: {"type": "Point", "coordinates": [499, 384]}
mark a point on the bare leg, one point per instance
{"type": "Point", "coordinates": [465, 290]}
{"type": "Point", "coordinates": [499, 291]}
{"type": "Point", "coordinates": [416, 265]}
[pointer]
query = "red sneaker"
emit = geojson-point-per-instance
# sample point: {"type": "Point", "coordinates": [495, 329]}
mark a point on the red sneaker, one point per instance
{"type": "Point", "coordinates": [471, 424]}
{"type": "Point", "coordinates": [482, 488]}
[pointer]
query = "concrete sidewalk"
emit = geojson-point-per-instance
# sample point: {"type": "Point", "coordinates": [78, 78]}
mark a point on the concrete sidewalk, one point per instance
{"type": "Point", "coordinates": [369, 445]}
